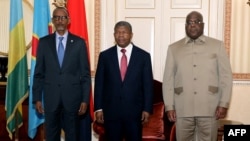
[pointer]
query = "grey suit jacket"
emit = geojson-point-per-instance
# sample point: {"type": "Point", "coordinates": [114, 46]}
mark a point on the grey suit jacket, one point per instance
{"type": "Point", "coordinates": [197, 77]}
{"type": "Point", "coordinates": [68, 85]}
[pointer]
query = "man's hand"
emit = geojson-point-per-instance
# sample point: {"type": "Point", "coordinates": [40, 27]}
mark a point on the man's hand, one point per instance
{"type": "Point", "coordinates": [145, 117]}
{"type": "Point", "coordinates": [99, 117]}
{"type": "Point", "coordinates": [221, 112]}
{"type": "Point", "coordinates": [39, 107]}
{"type": "Point", "coordinates": [171, 115]}
{"type": "Point", "coordinates": [83, 108]}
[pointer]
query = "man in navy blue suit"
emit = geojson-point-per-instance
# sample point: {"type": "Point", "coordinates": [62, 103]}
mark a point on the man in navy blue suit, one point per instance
{"type": "Point", "coordinates": [65, 83]}
{"type": "Point", "coordinates": [123, 100]}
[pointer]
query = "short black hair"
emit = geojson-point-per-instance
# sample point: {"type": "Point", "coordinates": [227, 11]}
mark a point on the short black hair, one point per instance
{"type": "Point", "coordinates": [123, 23]}
{"type": "Point", "coordinates": [61, 8]}
{"type": "Point", "coordinates": [197, 13]}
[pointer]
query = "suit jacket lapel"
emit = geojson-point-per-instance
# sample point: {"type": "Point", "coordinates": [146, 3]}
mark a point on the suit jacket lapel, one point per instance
{"type": "Point", "coordinates": [115, 61]}
{"type": "Point", "coordinates": [52, 44]}
{"type": "Point", "coordinates": [70, 40]}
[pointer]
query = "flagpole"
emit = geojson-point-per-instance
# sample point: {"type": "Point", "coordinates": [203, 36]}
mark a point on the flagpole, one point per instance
{"type": "Point", "coordinates": [43, 132]}
{"type": "Point", "coordinates": [16, 126]}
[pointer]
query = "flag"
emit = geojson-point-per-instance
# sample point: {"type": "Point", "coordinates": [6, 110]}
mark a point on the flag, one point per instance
{"type": "Point", "coordinates": [17, 82]}
{"type": "Point", "coordinates": [78, 26]}
{"type": "Point", "coordinates": [41, 26]}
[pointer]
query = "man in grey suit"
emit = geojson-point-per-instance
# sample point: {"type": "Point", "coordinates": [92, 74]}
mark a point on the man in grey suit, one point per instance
{"type": "Point", "coordinates": [64, 82]}
{"type": "Point", "coordinates": [197, 83]}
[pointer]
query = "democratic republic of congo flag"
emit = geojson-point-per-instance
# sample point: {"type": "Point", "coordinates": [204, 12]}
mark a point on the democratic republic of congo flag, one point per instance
{"type": "Point", "coordinates": [41, 26]}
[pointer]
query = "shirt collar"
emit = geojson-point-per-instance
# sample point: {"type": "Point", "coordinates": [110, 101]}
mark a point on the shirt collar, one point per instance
{"type": "Point", "coordinates": [200, 39]}
{"type": "Point", "coordinates": [65, 35]}
{"type": "Point", "coordinates": [128, 48]}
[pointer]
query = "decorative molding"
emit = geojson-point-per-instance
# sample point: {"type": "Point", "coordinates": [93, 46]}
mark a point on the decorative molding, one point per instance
{"type": "Point", "coordinates": [227, 39]}
{"type": "Point", "coordinates": [183, 4]}
{"type": "Point", "coordinates": [227, 29]}
{"type": "Point", "coordinates": [144, 4]}
{"type": "Point", "coordinates": [241, 76]}
{"type": "Point", "coordinates": [241, 83]}
{"type": "Point", "coordinates": [176, 32]}
{"type": "Point", "coordinates": [60, 3]}
{"type": "Point", "coordinates": [97, 34]}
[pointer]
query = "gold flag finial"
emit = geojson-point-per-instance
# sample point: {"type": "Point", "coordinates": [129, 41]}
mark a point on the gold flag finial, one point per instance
{"type": "Point", "coordinates": [60, 3]}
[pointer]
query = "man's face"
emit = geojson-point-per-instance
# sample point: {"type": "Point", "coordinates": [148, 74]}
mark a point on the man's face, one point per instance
{"type": "Point", "coordinates": [194, 25]}
{"type": "Point", "coordinates": [60, 20]}
{"type": "Point", "coordinates": [123, 36]}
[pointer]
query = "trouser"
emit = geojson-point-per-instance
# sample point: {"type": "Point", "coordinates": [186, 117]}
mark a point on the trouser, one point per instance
{"type": "Point", "coordinates": [196, 129]}
{"type": "Point", "coordinates": [61, 119]}
{"type": "Point", "coordinates": [115, 130]}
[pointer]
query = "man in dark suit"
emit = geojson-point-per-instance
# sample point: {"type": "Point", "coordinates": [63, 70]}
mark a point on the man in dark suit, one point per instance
{"type": "Point", "coordinates": [123, 100]}
{"type": "Point", "coordinates": [64, 84]}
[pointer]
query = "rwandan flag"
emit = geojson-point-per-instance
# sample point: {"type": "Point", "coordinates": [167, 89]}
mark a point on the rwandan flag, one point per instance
{"type": "Point", "coordinates": [78, 26]}
{"type": "Point", "coordinates": [17, 82]}
{"type": "Point", "coordinates": [41, 26]}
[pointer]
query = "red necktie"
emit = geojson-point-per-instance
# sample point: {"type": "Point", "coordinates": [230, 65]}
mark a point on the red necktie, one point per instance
{"type": "Point", "coordinates": [123, 64]}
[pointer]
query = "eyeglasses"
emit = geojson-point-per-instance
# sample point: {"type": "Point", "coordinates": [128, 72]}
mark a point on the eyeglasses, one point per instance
{"type": "Point", "coordinates": [194, 22]}
{"type": "Point", "coordinates": [62, 18]}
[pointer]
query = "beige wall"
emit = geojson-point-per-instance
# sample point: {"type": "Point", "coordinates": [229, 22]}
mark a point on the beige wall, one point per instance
{"type": "Point", "coordinates": [240, 33]}
{"type": "Point", "coordinates": [240, 103]}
